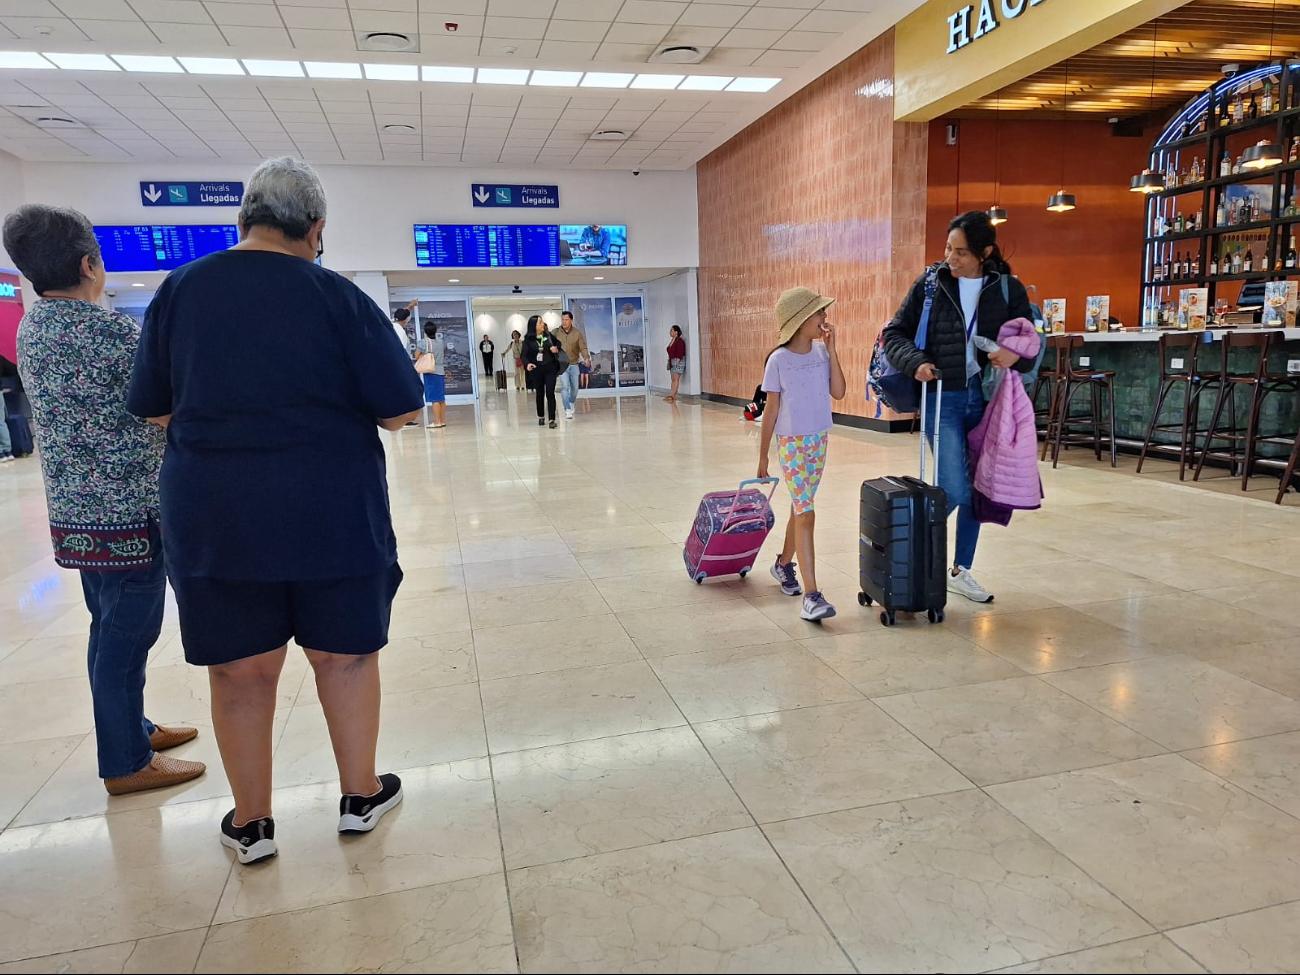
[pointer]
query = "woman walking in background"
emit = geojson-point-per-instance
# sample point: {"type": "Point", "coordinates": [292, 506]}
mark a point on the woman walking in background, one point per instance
{"type": "Point", "coordinates": [274, 489]}
{"type": "Point", "coordinates": [541, 359]}
{"type": "Point", "coordinates": [515, 352]}
{"type": "Point", "coordinates": [676, 361]}
{"type": "Point", "coordinates": [435, 383]}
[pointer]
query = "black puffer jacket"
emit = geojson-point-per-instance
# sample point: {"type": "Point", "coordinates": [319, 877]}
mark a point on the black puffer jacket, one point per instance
{"type": "Point", "coordinates": [946, 347]}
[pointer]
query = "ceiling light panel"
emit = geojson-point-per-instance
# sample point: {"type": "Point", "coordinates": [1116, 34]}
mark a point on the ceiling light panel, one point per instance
{"type": "Point", "coordinates": [23, 59]}
{"type": "Point", "coordinates": [704, 82]}
{"type": "Point", "coordinates": [448, 75]}
{"type": "Point", "coordinates": [331, 69]}
{"type": "Point", "coordinates": [149, 63]}
{"type": "Point", "coordinates": [502, 76]}
{"type": "Point", "coordinates": [84, 62]}
{"type": "Point", "coordinates": [556, 79]}
{"type": "Point", "coordinates": [606, 79]}
{"type": "Point", "coordinates": [753, 84]}
{"type": "Point", "coordinates": [392, 72]}
{"type": "Point", "coordinates": [212, 66]}
{"type": "Point", "coordinates": [657, 81]}
{"type": "Point", "coordinates": [272, 69]}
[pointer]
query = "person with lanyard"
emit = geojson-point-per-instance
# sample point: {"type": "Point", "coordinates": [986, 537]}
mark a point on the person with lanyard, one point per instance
{"type": "Point", "coordinates": [487, 348]}
{"type": "Point", "coordinates": [974, 293]}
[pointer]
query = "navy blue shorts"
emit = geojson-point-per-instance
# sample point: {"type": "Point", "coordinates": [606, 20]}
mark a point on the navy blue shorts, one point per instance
{"type": "Point", "coordinates": [435, 388]}
{"type": "Point", "coordinates": [223, 620]}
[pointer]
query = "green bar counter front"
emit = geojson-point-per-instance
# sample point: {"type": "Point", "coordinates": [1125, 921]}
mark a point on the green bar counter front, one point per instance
{"type": "Point", "coordinates": [1134, 356]}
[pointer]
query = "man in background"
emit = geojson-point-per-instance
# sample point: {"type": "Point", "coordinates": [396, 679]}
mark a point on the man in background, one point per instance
{"type": "Point", "coordinates": [574, 344]}
{"type": "Point", "coordinates": [487, 348]}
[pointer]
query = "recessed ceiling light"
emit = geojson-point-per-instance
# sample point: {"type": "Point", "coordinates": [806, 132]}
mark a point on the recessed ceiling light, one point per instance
{"type": "Point", "coordinates": [606, 79]}
{"type": "Point", "coordinates": [136, 284]}
{"type": "Point", "coordinates": [146, 62]}
{"type": "Point", "coordinates": [84, 62]}
{"type": "Point", "coordinates": [556, 79]}
{"type": "Point", "coordinates": [453, 280]}
{"type": "Point", "coordinates": [272, 69]}
{"type": "Point", "coordinates": [392, 72]}
{"type": "Point", "coordinates": [438, 72]}
{"type": "Point", "coordinates": [22, 59]}
{"type": "Point", "coordinates": [331, 69]}
{"type": "Point", "coordinates": [211, 65]}
{"type": "Point", "coordinates": [704, 82]}
{"type": "Point", "coordinates": [753, 84]}
{"type": "Point", "coordinates": [599, 278]}
{"type": "Point", "coordinates": [657, 80]}
{"type": "Point", "coordinates": [502, 76]}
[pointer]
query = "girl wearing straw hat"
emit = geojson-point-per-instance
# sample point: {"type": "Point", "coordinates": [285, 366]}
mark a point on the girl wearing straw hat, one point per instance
{"type": "Point", "coordinates": [800, 380]}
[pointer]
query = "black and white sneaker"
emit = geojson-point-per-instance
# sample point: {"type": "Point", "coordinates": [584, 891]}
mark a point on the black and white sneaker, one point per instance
{"type": "Point", "coordinates": [361, 814]}
{"type": "Point", "coordinates": [253, 842]}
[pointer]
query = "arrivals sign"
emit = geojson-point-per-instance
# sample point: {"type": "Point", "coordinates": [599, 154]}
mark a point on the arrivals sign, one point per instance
{"type": "Point", "coordinates": [158, 193]}
{"type": "Point", "coordinates": [975, 20]}
{"type": "Point", "coordinates": [527, 197]}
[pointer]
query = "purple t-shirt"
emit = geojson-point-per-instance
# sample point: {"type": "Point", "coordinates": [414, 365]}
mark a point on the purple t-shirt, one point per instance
{"type": "Point", "coordinates": [804, 382]}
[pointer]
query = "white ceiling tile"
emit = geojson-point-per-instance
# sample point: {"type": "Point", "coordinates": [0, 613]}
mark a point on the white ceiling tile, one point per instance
{"type": "Point", "coordinates": [449, 47]}
{"type": "Point", "coordinates": [509, 47]}
{"type": "Point", "coordinates": [782, 59]}
{"type": "Point", "coordinates": [577, 30]}
{"type": "Point", "coordinates": [834, 21]}
{"type": "Point", "coordinates": [171, 11]}
{"type": "Point", "coordinates": [733, 56]}
{"type": "Point", "coordinates": [118, 32]}
{"type": "Point", "coordinates": [101, 9]}
{"type": "Point", "coordinates": [650, 12]}
{"type": "Point", "coordinates": [621, 33]}
{"type": "Point", "coordinates": [697, 36]}
{"type": "Point", "coordinates": [569, 52]}
{"type": "Point", "coordinates": [593, 101]}
{"type": "Point", "coordinates": [858, 6]}
{"type": "Point", "coordinates": [316, 18]}
{"type": "Point", "coordinates": [520, 8]}
{"type": "Point", "coordinates": [385, 20]}
{"type": "Point", "coordinates": [514, 27]}
{"type": "Point", "coordinates": [227, 14]}
{"type": "Point", "coordinates": [638, 53]}
{"type": "Point", "coordinates": [43, 28]}
{"type": "Point", "coordinates": [258, 38]}
{"type": "Point", "coordinates": [759, 40]}
{"type": "Point", "coordinates": [771, 18]}
{"type": "Point", "coordinates": [711, 15]}
{"type": "Point", "coordinates": [440, 7]}
{"type": "Point", "coordinates": [195, 35]}
{"type": "Point", "coordinates": [805, 40]}
{"type": "Point", "coordinates": [605, 10]}
{"type": "Point", "coordinates": [322, 41]}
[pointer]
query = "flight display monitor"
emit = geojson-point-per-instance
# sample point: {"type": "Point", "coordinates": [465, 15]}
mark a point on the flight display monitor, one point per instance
{"type": "Point", "coordinates": [161, 247]}
{"type": "Point", "coordinates": [519, 245]}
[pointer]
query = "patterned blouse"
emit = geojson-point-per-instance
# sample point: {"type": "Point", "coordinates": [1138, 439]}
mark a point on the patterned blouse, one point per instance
{"type": "Point", "coordinates": [100, 462]}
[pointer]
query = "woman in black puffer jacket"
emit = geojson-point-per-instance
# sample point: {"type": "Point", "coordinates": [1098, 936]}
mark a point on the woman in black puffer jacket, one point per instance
{"type": "Point", "coordinates": [974, 294]}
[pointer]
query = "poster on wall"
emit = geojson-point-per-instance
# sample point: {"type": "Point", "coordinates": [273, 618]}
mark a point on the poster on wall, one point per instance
{"type": "Point", "coordinates": [595, 316]}
{"type": "Point", "coordinates": [629, 327]}
{"type": "Point", "coordinates": [452, 321]}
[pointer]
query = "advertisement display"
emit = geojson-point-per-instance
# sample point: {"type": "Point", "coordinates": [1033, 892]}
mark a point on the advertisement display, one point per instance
{"type": "Point", "coordinates": [595, 316]}
{"type": "Point", "coordinates": [591, 244]}
{"type": "Point", "coordinates": [629, 328]}
{"type": "Point", "coordinates": [519, 245]}
{"type": "Point", "coordinates": [452, 320]}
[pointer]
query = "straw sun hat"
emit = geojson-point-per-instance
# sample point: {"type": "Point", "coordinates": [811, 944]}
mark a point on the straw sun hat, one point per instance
{"type": "Point", "coordinates": [795, 307]}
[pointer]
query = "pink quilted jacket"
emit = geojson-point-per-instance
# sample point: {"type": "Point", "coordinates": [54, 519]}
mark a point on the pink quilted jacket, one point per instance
{"type": "Point", "coordinates": [1004, 446]}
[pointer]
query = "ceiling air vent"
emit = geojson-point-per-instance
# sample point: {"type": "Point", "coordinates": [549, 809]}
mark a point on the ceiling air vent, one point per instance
{"type": "Point", "coordinates": [57, 122]}
{"type": "Point", "coordinates": [678, 54]}
{"type": "Point", "coordinates": [610, 135]}
{"type": "Point", "coordinates": [387, 42]}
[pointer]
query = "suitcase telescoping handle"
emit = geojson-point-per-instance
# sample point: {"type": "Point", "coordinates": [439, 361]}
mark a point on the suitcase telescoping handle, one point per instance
{"type": "Point", "coordinates": [938, 415]}
{"type": "Point", "coordinates": [750, 510]}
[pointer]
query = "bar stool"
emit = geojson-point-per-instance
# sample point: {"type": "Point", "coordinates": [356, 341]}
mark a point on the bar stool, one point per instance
{"type": "Point", "coordinates": [1289, 473]}
{"type": "Point", "coordinates": [1194, 382]}
{"type": "Point", "coordinates": [1260, 382]}
{"type": "Point", "coordinates": [1051, 376]}
{"type": "Point", "coordinates": [1097, 382]}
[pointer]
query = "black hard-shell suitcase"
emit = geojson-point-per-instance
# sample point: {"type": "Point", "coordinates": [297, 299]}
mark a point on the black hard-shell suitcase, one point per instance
{"type": "Point", "coordinates": [903, 558]}
{"type": "Point", "coordinates": [501, 379]}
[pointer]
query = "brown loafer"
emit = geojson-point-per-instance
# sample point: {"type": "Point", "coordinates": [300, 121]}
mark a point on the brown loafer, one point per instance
{"type": "Point", "coordinates": [165, 738]}
{"type": "Point", "coordinates": [158, 774]}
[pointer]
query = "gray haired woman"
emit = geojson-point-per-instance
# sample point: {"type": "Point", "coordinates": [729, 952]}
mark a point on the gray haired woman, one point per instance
{"type": "Point", "coordinates": [274, 377]}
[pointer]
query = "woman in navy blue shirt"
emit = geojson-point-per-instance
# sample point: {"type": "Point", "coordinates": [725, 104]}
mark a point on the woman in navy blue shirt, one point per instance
{"type": "Point", "coordinates": [274, 376]}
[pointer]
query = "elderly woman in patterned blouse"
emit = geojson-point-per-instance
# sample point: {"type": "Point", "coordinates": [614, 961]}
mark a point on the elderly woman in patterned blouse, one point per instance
{"type": "Point", "coordinates": [101, 483]}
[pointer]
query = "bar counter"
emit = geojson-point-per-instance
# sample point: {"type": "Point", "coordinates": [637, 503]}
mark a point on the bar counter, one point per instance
{"type": "Point", "coordinates": [1134, 355]}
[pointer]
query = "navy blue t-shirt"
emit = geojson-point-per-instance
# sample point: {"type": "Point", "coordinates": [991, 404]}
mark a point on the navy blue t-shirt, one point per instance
{"type": "Point", "coordinates": [274, 371]}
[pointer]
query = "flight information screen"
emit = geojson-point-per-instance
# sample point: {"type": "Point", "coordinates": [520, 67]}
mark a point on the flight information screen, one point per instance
{"type": "Point", "coordinates": [161, 247]}
{"type": "Point", "coordinates": [518, 245]}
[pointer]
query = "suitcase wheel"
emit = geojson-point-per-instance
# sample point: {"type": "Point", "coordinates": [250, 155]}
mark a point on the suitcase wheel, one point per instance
{"type": "Point", "coordinates": [699, 579]}
{"type": "Point", "coordinates": [864, 599]}
{"type": "Point", "coordinates": [887, 617]}
{"type": "Point", "coordinates": [744, 572]}
{"type": "Point", "coordinates": [934, 615]}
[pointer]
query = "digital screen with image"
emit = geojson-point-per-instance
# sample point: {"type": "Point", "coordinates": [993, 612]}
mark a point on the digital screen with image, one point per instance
{"type": "Point", "coordinates": [588, 244]}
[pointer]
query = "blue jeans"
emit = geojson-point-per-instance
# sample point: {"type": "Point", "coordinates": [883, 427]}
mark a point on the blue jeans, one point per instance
{"type": "Point", "coordinates": [569, 386]}
{"type": "Point", "coordinates": [962, 411]}
{"type": "Point", "coordinates": [6, 445]}
{"type": "Point", "coordinates": [126, 611]}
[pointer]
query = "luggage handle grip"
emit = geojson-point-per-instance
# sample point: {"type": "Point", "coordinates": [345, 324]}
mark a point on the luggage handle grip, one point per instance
{"type": "Point", "coordinates": [938, 414]}
{"type": "Point", "coordinates": [772, 482]}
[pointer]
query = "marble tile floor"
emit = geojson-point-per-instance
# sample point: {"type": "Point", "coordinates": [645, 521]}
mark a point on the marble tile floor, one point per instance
{"type": "Point", "coordinates": [611, 769]}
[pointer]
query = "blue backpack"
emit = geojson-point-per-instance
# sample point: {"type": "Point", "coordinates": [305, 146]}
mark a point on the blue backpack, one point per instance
{"type": "Point", "coordinates": [885, 384]}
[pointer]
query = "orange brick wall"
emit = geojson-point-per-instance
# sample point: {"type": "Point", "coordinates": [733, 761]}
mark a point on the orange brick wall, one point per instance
{"type": "Point", "coordinates": [826, 190]}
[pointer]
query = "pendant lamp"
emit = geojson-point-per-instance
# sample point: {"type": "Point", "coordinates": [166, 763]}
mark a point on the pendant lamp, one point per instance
{"type": "Point", "coordinates": [997, 213]}
{"type": "Point", "coordinates": [1150, 181]}
{"type": "Point", "coordinates": [1062, 201]}
{"type": "Point", "coordinates": [1265, 153]}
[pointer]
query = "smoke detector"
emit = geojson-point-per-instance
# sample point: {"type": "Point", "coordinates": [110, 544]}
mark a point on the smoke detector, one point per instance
{"type": "Point", "coordinates": [387, 42]}
{"type": "Point", "coordinates": [678, 54]}
{"type": "Point", "coordinates": [610, 135]}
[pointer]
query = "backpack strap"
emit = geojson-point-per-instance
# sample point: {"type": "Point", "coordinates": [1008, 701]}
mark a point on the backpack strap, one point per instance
{"type": "Point", "coordinates": [1006, 291]}
{"type": "Point", "coordinates": [923, 326]}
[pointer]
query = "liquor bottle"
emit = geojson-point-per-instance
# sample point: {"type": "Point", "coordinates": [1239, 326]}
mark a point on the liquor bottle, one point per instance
{"type": "Point", "coordinates": [1225, 165]}
{"type": "Point", "coordinates": [1236, 167]}
{"type": "Point", "coordinates": [1291, 256]}
{"type": "Point", "coordinates": [1169, 268]}
{"type": "Point", "coordinates": [1238, 109]}
{"type": "Point", "coordinates": [1234, 211]}
{"type": "Point", "coordinates": [1267, 105]}
{"type": "Point", "coordinates": [1179, 226]}
{"type": "Point", "coordinates": [1196, 265]}
{"type": "Point", "coordinates": [1249, 264]}
{"type": "Point", "coordinates": [1237, 263]}
{"type": "Point", "coordinates": [1199, 222]}
{"type": "Point", "coordinates": [1157, 271]}
{"type": "Point", "coordinates": [1253, 111]}
{"type": "Point", "coordinates": [1214, 264]}
{"type": "Point", "coordinates": [1220, 213]}
{"type": "Point", "coordinates": [1294, 154]}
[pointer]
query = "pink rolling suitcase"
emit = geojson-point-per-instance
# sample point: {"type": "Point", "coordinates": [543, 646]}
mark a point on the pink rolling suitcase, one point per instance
{"type": "Point", "coordinates": [730, 528]}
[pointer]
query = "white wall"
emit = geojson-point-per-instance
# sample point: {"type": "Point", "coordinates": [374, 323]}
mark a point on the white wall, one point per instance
{"type": "Point", "coordinates": [11, 196]}
{"type": "Point", "coordinates": [372, 208]}
{"type": "Point", "coordinates": [673, 300]}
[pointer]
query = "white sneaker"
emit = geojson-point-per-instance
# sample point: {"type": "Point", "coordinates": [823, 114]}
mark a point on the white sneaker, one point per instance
{"type": "Point", "coordinates": [7, 459]}
{"type": "Point", "coordinates": [964, 583]}
{"type": "Point", "coordinates": [568, 414]}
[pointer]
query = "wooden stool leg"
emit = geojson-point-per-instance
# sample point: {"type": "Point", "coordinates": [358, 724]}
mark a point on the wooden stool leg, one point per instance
{"type": "Point", "coordinates": [1252, 431]}
{"type": "Point", "coordinates": [1053, 413]}
{"type": "Point", "coordinates": [1110, 422]}
{"type": "Point", "coordinates": [1062, 419]}
{"type": "Point", "coordinates": [1095, 392]}
{"type": "Point", "coordinates": [1289, 473]}
{"type": "Point", "coordinates": [1165, 388]}
{"type": "Point", "coordinates": [1188, 423]}
{"type": "Point", "coordinates": [1224, 392]}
